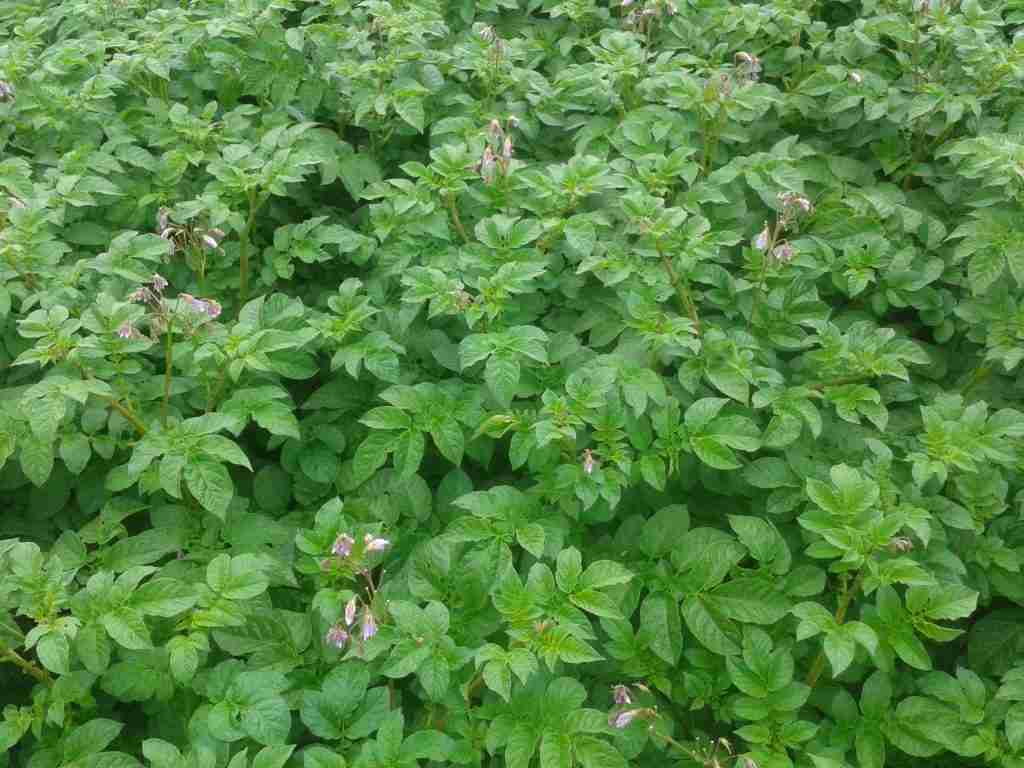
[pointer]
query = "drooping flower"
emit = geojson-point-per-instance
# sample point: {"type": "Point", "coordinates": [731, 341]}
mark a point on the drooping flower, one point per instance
{"type": "Point", "coordinates": [128, 331]}
{"type": "Point", "coordinates": [589, 463]}
{"type": "Point", "coordinates": [343, 545]}
{"type": "Point", "coordinates": [337, 636]}
{"type": "Point", "coordinates": [620, 720]}
{"type": "Point", "coordinates": [375, 544]}
{"type": "Point", "coordinates": [761, 241]}
{"type": "Point", "coordinates": [487, 166]}
{"type": "Point", "coordinates": [369, 624]}
{"type": "Point", "coordinates": [621, 695]}
{"type": "Point", "coordinates": [350, 611]}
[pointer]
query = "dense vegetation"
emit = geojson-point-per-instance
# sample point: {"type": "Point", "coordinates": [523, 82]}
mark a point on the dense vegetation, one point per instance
{"type": "Point", "coordinates": [511, 383]}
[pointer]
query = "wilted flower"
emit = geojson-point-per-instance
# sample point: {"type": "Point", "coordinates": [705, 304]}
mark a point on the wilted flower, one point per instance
{"type": "Point", "coordinates": [6, 91]}
{"type": "Point", "coordinates": [350, 610]}
{"type": "Point", "coordinates": [901, 544]}
{"type": "Point", "coordinates": [488, 167]}
{"type": "Point", "coordinates": [749, 65]}
{"type": "Point", "coordinates": [337, 636]}
{"type": "Point", "coordinates": [128, 331]}
{"type": "Point", "coordinates": [369, 624]}
{"type": "Point", "coordinates": [506, 149]}
{"type": "Point", "coordinates": [495, 129]}
{"type": "Point", "coordinates": [783, 253]}
{"type": "Point", "coordinates": [374, 544]}
{"type": "Point", "coordinates": [761, 241]}
{"type": "Point", "coordinates": [793, 202]}
{"type": "Point", "coordinates": [620, 720]}
{"type": "Point", "coordinates": [589, 464]}
{"type": "Point", "coordinates": [621, 695]}
{"type": "Point", "coordinates": [513, 121]}
{"type": "Point", "coordinates": [140, 295]}
{"type": "Point", "coordinates": [158, 282]}
{"type": "Point", "coordinates": [343, 545]}
{"type": "Point", "coordinates": [488, 34]}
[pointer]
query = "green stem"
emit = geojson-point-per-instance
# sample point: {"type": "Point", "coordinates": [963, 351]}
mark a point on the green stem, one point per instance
{"type": "Point", "coordinates": [681, 287]}
{"type": "Point", "coordinates": [26, 666]}
{"type": "Point", "coordinates": [168, 370]}
{"type": "Point", "coordinates": [841, 381]}
{"type": "Point", "coordinates": [456, 219]}
{"type": "Point", "coordinates": [128, 413]}
{"type": "Point", "coordinates": [244, 245]}
{"type": "Point", "coordinates": [849, 591]}
{"type": "Point", "coordinates": [215, 394]}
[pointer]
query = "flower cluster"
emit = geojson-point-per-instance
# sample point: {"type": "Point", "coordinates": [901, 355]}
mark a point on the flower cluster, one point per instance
{"type": "Point", "coordinates": [340, 633]}
{"type": "Point", "coordinates": [497, 156]}
{"type": "Point", "coordinates": [209, 307]}
{"type": "Point", "coordinates": [748, 67]}
{"type": "Point", "coordinates": [186, 236]}
{"type": "Point", "coordinates": [344, 544]}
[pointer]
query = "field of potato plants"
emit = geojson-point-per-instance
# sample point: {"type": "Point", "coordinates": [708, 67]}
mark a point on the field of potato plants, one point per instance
{"type": "Point", "coordinates": [511, 383]}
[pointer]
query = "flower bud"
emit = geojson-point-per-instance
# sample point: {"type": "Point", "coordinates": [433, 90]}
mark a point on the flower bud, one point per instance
{"type": "Point", "coordinates": [350, 611]}
{"type": "Point", "coordinates": [589, 464]}
{"type": "Point", "coordinates": [901, 544]}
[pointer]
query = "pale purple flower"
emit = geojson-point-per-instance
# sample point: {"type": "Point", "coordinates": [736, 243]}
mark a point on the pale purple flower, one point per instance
{"type": "Point", "coordinates": [506, 149]}
{"type": "Point", "coordinates": [127, 331]}
{"type": "Point", "coordinates": [350, 611]}
{"type": "Point", "coordinates": [494, 129]}
{"type": "Point", "coordinates": [213, 308]}
{"type": "Point", "coordinates": [209, 242]}
{"type": "Point", "coordinates": [589, 464]}
{"type": "Point", "coordinates": [6, 91]}
{"type": "Point", "coordinates": [337, 636]}
{"type": "Point", "coordinates": [369, 624]}
{"type": "Point", "coordinates": [620, 720]}
{"type": "Point", "coordinates": [761, 241]}
{"type": "Point", "coordinates": [158, 282]}
{"type": "Point", "coordinates": [621, 695]}
{"type": "Point", "coordinates": [856, 78]}
{"type": "Point", "coordinates": [627, 3]}
{"type": "Point", "coordinates": [374, 544]}
{"type": "Point", "coordinates": [343, 545]}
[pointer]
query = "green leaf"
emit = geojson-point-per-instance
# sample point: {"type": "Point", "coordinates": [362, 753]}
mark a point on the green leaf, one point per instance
{"type": "Point", "coordinates": [90, 738]}
{"type": "Point", "coordinates": [449, 439]}
{"type": "Point", "coordinates": [210, 483]}
{"type": "Point", "coordinates": [237, 578]}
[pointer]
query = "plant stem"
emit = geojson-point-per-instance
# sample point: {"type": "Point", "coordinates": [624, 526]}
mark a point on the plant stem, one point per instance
{"type": "Point", "coordinates": [682, 289]}
{"type": "Point", "coordinates": [128, 413]}
{"type": "Point", "coordinates": [243, 250]}
{"type": "Point", "coordinates": [456, 219]}
{"type": "Point", "coordinates": [168, 370]}
{"type": "Point", "coordinates": [26, 666]}
{"type": "Point", "coordinates": [214, 397]}
{"type": "Point", "coordinates": [838, 382]}
{"type": "Point", "coordinates": [849, 590]}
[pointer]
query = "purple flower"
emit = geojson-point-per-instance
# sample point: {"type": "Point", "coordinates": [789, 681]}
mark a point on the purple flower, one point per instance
{"type": "Point", "coordinates": [337, 636]}
{"type": "Point", "coordinates": [159, 283]}
{"type": "Point", "coordinates": [343, 545]}
{"type": "Point", "coordinates": [622, 719]}
{"type": "Point", "coordinates": [127, 331]}
{"type": "Point", "coordinates": [6, 91]}
{"type": "Point", "coordinates": [213, 308]}
{"type": "Point", "coordinates": [350, 611]}
{"type": "Point", "coordinates": [140, 295]}
{"type": "Point", "coordinates": [369, 624]}
{"type": "Point", "coordinates": [783, 253]}
{"type": "Point", "coordinates": [621, 695]}
{"type": "Point", "coordinates": [761, 241]}
{"type": "Point", "coordinates": [374, 544]}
